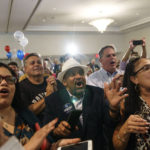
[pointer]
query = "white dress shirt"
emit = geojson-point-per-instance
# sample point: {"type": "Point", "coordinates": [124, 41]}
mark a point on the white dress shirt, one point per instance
{"type": "Point", "coordinates": [99, 77]}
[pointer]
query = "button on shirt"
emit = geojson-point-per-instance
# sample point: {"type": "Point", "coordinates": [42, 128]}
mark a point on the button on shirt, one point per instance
{"type": "Point", "coordinates": [99, 77]}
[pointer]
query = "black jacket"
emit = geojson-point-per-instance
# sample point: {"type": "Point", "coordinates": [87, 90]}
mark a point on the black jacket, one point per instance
{"type": "Point", "coordinates": [95, 113]}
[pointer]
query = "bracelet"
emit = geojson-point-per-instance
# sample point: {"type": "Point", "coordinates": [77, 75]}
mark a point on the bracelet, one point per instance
{"type": "Point", "coordinates": [114, 111]}
{"type": "Point", "coordinates": [119, 138]}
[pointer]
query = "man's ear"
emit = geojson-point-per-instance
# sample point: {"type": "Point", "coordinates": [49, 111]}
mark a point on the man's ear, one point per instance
{"type": "Point", "coordinates": [134, 79]}
{"type": "Point", "coordinates": [64, 82]}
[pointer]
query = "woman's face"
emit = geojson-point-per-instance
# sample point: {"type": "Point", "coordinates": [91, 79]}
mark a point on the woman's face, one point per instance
{"type": "Point", "coordinates": [7, 88]}
{"type": "Point", "coordinates": [142, 77]}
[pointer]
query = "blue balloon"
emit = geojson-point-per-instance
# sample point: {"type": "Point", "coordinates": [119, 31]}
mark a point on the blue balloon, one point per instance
{"type": "Point", "coordinates": [20, 54]}
{"type": "Point", "coordinates": [9, 55]}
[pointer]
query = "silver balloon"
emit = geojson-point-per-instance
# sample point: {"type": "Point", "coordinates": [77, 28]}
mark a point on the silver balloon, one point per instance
{"type": "Point", "coordinates": [18, 35]}
{"type": "Point", "coordinates": [24, 42]}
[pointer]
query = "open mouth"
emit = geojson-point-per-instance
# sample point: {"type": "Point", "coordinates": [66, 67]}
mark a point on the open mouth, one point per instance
{"type": "Point", "coordinates": [112, 62]}
{"type": "Point", "coordinates": [4, 91]}
{"type": "Point", "coordinates": [79, 83]}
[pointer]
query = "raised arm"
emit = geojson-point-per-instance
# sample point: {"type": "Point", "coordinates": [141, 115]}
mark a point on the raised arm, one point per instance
{"type": "Point", "coordinates": [128, 52]}
{"type": "Point", "coordinates": [144, 52]}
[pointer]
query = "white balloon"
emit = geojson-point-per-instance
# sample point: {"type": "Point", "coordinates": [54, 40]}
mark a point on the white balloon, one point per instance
{"type": "Point", "coordinates": [18, 35]}
{"type": "Point", "coordinates": [24, 42]}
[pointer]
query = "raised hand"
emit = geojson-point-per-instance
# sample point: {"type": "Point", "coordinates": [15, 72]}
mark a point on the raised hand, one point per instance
{"type": "Point", "coordinates": [131, 46]}
{"type": "Point", "coordinates": [51, 85]}
{"type": "Point", "coordinates": [114, 94]}
{"type": "Point", "coordinates": [144, 42]}
{"type": "Point", "coordinates": [37, 139]}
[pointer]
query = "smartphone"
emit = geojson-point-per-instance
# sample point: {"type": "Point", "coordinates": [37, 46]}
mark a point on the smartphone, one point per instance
{"type": "Point", "coordinates": [137, 42]}
{"type": "Point", "coordinates": [74, 118]}
{"type": "Point", "coordinates": [85, 145]}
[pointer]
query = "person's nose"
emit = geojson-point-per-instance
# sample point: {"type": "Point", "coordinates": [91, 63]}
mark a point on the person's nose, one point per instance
{"type": "Point", "coordinates": [3, 82]}
{"type": "Point", "coordinates": [78, 76]}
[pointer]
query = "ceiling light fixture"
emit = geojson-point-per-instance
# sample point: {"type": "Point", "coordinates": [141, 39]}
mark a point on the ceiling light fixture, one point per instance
{"type": "Point", "coordinates": [101, 24]}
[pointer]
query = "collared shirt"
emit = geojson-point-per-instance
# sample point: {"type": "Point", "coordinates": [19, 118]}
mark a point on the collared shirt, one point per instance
{"type": "Point", "coordinates": [99, 77]}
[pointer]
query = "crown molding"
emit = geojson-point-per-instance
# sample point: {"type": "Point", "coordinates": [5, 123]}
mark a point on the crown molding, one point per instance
{"type": "Point", "coordinates": [135, 24]}
{"type": "Point", "coordinates": [67, 28]}
{"type": "Point", "coordinates": [88, 28]}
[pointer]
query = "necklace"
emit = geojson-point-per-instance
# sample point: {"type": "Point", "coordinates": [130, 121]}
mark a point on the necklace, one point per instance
{"type": "Point", "coordinates": [7, 123]}
{"type": "Point", "coordinates": [8, 127]}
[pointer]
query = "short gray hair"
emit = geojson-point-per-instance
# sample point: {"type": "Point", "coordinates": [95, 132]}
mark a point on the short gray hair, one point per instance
{"type": "Point", "coordinates": [103, 49]}
{"type": "Point", "coordinates": [28, 56]}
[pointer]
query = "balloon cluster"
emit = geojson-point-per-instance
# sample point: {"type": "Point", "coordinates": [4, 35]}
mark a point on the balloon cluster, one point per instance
{"type": "Point", "coordinates": [19, 36]}
{"type": "Point", "coordinates": [23, 41]}
{"type": "Point", "coordinates": [20, 54]}
{"type": "Point", "coordinates": [7, 49]}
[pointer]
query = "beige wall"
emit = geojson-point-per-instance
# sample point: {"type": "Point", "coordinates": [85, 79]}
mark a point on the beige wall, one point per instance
{"type": "Point", "coordinates": [138, 34]}
{"type": "Point", "coordinates": [54, 43]}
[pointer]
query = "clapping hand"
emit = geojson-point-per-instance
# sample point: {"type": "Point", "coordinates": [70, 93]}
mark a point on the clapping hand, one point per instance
{"type": "Point", "coordinates": [114, 94]}
{"type": "Point", "coordinates": [51, 85]}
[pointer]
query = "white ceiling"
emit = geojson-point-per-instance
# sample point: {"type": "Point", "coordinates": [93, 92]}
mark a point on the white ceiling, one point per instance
{"type": "Point", "coordinates": [72, 15]}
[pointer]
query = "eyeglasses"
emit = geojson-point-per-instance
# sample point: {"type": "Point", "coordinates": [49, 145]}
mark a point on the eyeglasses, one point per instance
{"type": "Point", "coordinates": [8, 79]}
{"type": "Point", "coordinates": [144, 68]}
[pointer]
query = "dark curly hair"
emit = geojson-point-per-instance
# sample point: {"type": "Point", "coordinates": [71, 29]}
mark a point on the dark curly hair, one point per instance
{"type": "Point", "coordinates": [132, 102]}
{"type": "Point", "coordinates": [17, 104]}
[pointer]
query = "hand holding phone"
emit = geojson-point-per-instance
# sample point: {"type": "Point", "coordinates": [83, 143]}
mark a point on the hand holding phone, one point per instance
{"type": "Point", "coordinates": [137, 42]}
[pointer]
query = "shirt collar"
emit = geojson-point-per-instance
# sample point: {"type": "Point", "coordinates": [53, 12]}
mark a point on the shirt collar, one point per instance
{"type": "Point", "coordinates": [108, 73]}
{"type": "Point", "coordinates": [74, 97]}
